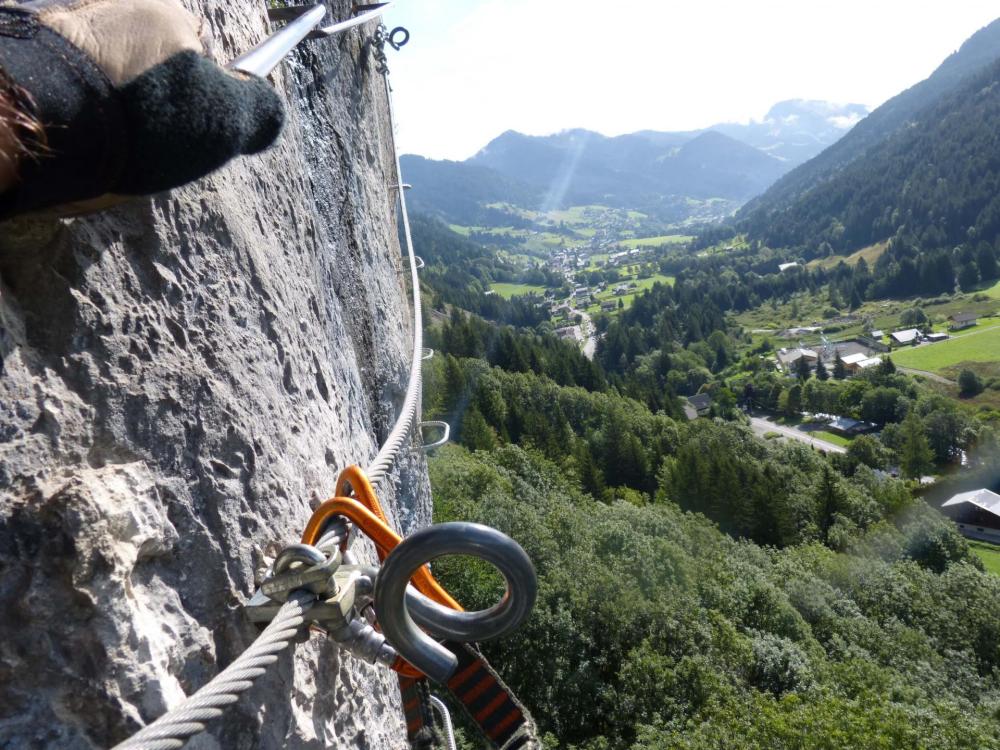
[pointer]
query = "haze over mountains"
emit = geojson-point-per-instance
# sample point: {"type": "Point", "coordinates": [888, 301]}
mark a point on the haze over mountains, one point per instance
{"type": "Point", "coordinates": [674, 176]}
{"type": "Point", "coordinates": [927, 159]}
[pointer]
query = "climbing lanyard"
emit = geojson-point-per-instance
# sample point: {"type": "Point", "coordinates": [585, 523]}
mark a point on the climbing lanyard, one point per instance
{"type": "Point", "coordinates": [399, 615]}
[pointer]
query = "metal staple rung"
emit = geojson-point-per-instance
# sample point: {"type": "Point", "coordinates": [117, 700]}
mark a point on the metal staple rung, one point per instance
{"type": "Point", "coordinates": [426, 353]}
{"type": "Point", "coordinates": [445, 429]}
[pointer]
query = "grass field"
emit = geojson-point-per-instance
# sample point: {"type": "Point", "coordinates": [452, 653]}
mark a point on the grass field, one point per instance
{"type": "Point", "coordinates": [663, 239]}
{"type": "Point", "coordinates": [981, 346]}
{"type": "Point", "coordinates": [992, 292]}
{"type": "Point", "coordinates": [870, 254]}
{"type": "Point", "coordinates": [513, 290]}
{"type": "Point", "coordinates": [989, 554]}
{"type": "Point", "coordinates": [831, 437]}
{"type": "Point", "coordinates": [641, 285]}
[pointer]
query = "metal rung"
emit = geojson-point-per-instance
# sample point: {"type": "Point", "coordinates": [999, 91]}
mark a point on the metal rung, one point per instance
{"type": "Point", "coordinates": [395, 186]}
{"type": "Point", "coordinates": [302, 21]}
{"type": "Point", "coordinates": [420, 262]}
{"type": "Point", "coordinates": [426, 353]}
{"type": "Point", "coordinates": [443, 426]}
{"type": "Point", "coordinates": [264, 58]}
{"type": "Point", "coordinates": [365, 13]}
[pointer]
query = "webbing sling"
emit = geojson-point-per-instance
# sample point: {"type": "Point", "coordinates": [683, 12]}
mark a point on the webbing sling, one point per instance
{"type": "Point", "coordinates": [487, 701]}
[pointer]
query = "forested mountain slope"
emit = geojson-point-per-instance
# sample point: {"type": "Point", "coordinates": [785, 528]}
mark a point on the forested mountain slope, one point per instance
{"type": "Point", "coordinates": [460, 191]}
{"type": "Point", "coordinates": [655, 172]}
{"type": "Point", "coordinates": [939, 177]}
{"type": "Point", "coordinates": [916, 108]}
{"type": "Point", "coordinates": [586, 167]}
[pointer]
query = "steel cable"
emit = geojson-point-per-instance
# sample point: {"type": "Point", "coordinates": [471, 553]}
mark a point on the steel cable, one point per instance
{"type": "Point", "coordinates": [445, 714]}
{"type": "Point", "coordinates": [387, 454]}
{"type": "Point", "coordinates": [172, 729]}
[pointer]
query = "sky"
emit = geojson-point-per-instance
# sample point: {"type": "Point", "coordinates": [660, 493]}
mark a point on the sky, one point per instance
{"type": "Point", "coordinates": [475, 68]}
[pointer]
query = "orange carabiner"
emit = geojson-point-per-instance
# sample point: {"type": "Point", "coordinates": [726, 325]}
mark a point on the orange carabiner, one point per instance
{"type": "Point", "coordinates": [366, 513]}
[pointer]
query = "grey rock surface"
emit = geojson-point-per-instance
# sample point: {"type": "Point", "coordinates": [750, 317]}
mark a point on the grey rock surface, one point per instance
{"type": "Point", "coordinates": [179, 378]}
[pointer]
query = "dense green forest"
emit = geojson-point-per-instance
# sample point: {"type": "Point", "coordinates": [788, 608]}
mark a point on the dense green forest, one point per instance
{"type": "Point", "coordinates": [700, 587]}
{"type": "Point", "coordinates": [654, 630]}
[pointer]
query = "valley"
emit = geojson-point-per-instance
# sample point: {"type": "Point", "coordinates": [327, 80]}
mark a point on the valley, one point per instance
{"type": "Point", "coordinates": [738, 421]}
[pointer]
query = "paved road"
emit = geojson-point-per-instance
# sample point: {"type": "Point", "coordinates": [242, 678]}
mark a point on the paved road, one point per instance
{"type": "Point", "coordinates": [589, 334]}
{"type": "Point", "coordinates": [762, 425]}
{"type": "Point", "coordinates": [929, 375]}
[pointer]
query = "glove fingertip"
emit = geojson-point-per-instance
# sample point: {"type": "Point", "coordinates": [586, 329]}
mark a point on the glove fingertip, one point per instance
{"type": "Point", "coordinates": [265, 116]}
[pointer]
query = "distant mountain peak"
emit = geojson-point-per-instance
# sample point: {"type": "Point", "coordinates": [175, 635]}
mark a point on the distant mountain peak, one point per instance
{"type": "Point", "coordinates": [830, 111]}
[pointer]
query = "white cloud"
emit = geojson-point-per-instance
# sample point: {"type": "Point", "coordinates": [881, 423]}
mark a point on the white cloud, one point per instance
{"type": "Point", "coordinates": [475, 68]}
{"type": "Point", "coordinates": [844, 121]}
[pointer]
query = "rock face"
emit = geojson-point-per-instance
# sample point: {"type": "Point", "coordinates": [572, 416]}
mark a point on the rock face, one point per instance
{"type": "Point", "coordinates": [178, 378]}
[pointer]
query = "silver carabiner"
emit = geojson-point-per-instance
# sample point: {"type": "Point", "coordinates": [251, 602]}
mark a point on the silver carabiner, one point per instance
{"type": "Point", "coordinates": [392, 602]}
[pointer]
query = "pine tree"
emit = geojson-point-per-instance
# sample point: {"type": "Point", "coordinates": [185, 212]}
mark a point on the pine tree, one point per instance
{"type": "Point", "coordinates": [969, 384]}
{"type": "Point", "coordinates": [916, 457]}
{"type": "Point", "coordinates": [839, 368]}
{"type": "Point", "coordinates": [821, 371]}
{"type": "Point", "coordinates": [802, 369]}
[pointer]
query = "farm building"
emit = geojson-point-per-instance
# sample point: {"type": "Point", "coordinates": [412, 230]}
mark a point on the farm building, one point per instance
{"type": "Point", "coordinates": [853, 362]}
{"type": "Point", "coordinates": [848, 427]}
{"type": "Point", "coordinates": [936, 337]}
{"type": "Point", "coordinates": [977, 514]}
{"type": "Point", "coordinates": [782, 267]}
{"type": "Point", "coordinates": [701, 403]}
{"type": "Point", "coordinates": [907, 336]}
{"type": "Point", "coordinates": [870, 362]}
{"type": "Point", "coordinates": [788, 357]}
{"type": "Point", "coordinates": [963, 320]}
{"type": "Point", "coordinates": [570, 332]}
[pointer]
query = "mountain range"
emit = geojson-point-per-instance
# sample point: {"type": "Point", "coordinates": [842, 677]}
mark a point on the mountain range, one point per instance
{"type": "Point", "coordinates": [674, 176]}
{"type": "Point", "coordinates": [927, 160]}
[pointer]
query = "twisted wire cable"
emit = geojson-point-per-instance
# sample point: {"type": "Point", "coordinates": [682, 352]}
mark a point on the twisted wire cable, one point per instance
{"type": "Point", "coordinates": [387, 454]}
{"type": "Point", "coordinates": [445, 714]}
{"type": "Point", "coordinates": [172, 729]}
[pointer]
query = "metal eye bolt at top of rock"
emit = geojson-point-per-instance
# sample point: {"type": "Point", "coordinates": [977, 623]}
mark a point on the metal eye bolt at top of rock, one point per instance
{"type": "Point", "coordinates": [316, 581]}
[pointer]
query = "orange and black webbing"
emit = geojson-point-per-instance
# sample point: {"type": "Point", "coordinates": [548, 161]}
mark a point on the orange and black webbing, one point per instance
{"type": "Point", "coordinates": [489, 702]}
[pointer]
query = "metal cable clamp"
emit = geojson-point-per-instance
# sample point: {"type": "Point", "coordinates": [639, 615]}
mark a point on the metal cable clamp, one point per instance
{"type": "Point", "coordinates": [342, 593]}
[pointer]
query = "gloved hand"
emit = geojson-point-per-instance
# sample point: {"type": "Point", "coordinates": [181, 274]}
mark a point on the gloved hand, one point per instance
{"type": "Point", "coordinates": [127, 103]}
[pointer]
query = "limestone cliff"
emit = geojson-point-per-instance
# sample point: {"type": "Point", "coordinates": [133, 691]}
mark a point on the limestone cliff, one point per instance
{"type": "Point", "coordinates": [178, 378]}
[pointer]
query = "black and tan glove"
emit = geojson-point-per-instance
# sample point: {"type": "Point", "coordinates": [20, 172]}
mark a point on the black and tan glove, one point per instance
{"type": "Point", "coordinates": [126, 101]}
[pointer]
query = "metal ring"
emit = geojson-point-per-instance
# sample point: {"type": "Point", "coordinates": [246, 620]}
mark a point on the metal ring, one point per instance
{"type": "Point", "coordinates": [457, 538]}
{"type": "Point", "coordinates": [428, 614]}
{"type": "Point", "coordinates": [391, 37]}
{"type": "Point", "coordinates": [302, 553]}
